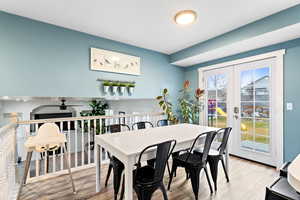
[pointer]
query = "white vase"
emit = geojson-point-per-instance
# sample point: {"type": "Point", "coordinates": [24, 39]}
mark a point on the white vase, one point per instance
{"type": "Point", "coordinates": [115, 89]}
{"type": "Point", "coordinates": [122, 90]}
{"type": "Point", "coordinates": [106, 89]}
{"type": "Point", "coordinates": [131, 90]}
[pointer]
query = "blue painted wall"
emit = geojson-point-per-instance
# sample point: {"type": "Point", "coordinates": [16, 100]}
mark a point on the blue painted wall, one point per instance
{"type": "Point", "coordinates": [291, 89]}
{"type": "Point", "coordinates": [38, 59]}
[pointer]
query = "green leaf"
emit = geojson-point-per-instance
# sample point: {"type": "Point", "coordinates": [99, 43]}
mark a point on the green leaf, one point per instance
{"type": "Point", "coordinates": [159, 97]}
{"type": "Point", "coordinates": [161, 103]}
{"type": "Point", "coordinates": [165, 91]}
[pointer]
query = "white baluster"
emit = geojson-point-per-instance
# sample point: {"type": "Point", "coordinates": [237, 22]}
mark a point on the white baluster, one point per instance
{"type": "Point", "coordinates": [94, 136]}
{"type": "Point", "coordinates": [76, 145]}
{"type": "Point", "coordinates": [100, 124]}
{"type": "Point", "coordinates": [53, 161]}
{"type": "Point", "coordinates": [82, 142]}
{"type": "Point", "coordinates": [69, 143]}
{"type": "Point", "coordinates": [89, 141]}
{"type": "Point", "coordinates": [46, 162]}
{"type": "Point", "coordinates": [37, 160]}
{"type": "Point", "coordinates": [61, 148]}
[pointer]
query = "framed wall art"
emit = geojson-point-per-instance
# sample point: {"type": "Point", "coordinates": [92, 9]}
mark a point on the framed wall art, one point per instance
{"type": "Point", "coordinates": [110, 61]}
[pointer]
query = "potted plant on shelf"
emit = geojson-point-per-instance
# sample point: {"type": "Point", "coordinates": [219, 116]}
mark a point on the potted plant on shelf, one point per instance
{"type": "Point", "coordinates": [106, 86]}
{"type": "Point", "coordinates": [131, 87]}
{"type": "Point", "coordinates": [122, 88]}
{"type": "Point", "coordinates": [115, 86]}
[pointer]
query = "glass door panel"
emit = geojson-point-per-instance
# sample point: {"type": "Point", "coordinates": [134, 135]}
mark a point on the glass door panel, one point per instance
{"type": "Point", "coordinates": [254, 103]}
{"type": "Point", "coordinates": [216, 98]}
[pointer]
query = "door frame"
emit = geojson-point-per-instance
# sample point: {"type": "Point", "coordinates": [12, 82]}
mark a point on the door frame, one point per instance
{"type": "Point", "coordinates": [278, 102]}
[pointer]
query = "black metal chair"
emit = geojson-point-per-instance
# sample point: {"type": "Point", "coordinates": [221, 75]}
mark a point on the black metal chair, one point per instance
{"type": "Point", "coordinates": [122, 119]}
{"type": "Point", "coordinates": [114, 162]}
{"type": "Point", "coordinates": [163, 122]}
{"type": "Point", "coordinates": [147, 179]}
{"type": "Point", "coordinates": [194, 163]}
{"type": "Point", "coordinates": [214, 156]}
{"type": "Point", "coordinates": [141, 125]}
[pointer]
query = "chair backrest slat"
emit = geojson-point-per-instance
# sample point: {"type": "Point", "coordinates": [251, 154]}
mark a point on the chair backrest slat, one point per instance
{"type": "Point", "coordinates": [162, 156]}
{"type": "Point", "coordinates": [141, 125]}
{"type": "Point", "coordinates": [207, 144]}
{"type": "Point", "coordinates": [209, 137]}
{"type": "Point", "coordinates": [115, 128]}
{"type": "Point", "coordinates": [225, 136]}
{"type": "Point", "coordinates": [162, 122]}
{"type": "Point", "coordinates": [163, 152]}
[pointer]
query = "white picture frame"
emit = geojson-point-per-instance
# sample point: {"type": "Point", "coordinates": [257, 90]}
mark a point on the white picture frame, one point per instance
{"type": "Point", "coordinates": [110, 61]}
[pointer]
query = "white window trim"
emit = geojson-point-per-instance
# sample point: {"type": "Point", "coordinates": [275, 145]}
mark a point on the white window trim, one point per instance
{"type": "Point", "coordinates": [279, 105]}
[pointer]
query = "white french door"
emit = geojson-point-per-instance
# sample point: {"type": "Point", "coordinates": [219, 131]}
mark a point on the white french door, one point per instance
{"type": "Point", "coordinates": [242, 96]}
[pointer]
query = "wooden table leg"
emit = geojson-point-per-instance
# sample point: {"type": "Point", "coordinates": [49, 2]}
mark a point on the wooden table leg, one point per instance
{"type": "Point", "coordinates": [129, 166]}
{"type": "Point", "coordinates": [98, 156]}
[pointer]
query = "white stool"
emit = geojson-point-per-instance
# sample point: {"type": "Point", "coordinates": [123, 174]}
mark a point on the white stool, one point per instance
{"type": "Point", "coordinates": [48, 138]}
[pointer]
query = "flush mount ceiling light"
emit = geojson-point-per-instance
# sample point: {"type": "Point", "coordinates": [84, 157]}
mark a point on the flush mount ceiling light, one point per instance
{"type": "Point", "coordinates": [185, 17]}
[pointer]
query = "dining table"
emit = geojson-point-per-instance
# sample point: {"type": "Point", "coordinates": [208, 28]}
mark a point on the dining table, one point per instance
{"type": "Point", "coordinates": [127, 145]}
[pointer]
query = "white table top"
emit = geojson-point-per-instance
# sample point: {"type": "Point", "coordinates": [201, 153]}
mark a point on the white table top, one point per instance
{"type": "Point", "coordinates": [133, 142]}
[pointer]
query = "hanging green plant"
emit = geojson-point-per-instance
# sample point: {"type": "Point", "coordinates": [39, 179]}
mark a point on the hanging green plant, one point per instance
{"type": "Point", "coordinates": [107, 83]}
{"type": "Point", "coordinates": [116, 84]}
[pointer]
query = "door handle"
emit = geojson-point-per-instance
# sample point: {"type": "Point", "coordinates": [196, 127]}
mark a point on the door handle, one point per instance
{"type": "Point", "coordinates": [236, 110]}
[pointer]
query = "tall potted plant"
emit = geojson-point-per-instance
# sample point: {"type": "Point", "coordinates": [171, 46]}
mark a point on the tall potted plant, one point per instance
{"type": "Point", "coordinates": [189, 106]}
{"type": "Point", "coordinates": [166, 106]}
{"type": "Point", "coordinates": [184, 102]}
{"type": "Point", "coordinates": [197, 105]}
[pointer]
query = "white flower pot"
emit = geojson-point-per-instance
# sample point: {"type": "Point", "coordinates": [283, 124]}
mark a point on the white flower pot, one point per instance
{"type": "Point", "coordinates": [131, 90]}
{"type": "Point", "coordinates": [122, 90]}
{"type": "Point", "coordinates": [115, 89]}
{"type": "Point", "coordinates": [106, 88]}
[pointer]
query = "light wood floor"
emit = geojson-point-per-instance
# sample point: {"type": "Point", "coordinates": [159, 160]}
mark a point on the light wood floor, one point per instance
{"type": "Point", "coordinates": [247, 182]}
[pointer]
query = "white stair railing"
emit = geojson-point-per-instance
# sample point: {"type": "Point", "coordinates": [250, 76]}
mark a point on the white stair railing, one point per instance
{"type": "Point", "coordinates": [80, 133]}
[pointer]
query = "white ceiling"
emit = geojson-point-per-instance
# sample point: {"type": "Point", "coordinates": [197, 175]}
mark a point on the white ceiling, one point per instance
{"type": "Point", "coordinates": [147, 23]}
